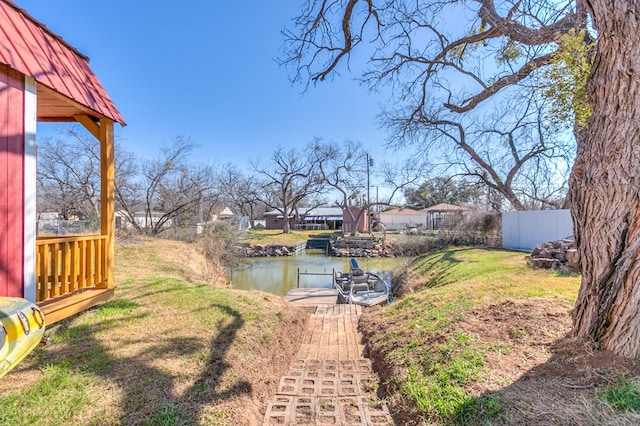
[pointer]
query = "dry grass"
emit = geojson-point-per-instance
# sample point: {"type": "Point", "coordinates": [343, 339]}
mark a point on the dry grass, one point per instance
{"type": "Point", "coordinates": [170, 349]}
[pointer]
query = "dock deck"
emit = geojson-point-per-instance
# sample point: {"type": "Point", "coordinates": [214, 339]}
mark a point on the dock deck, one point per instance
{"type": "Point", "coordinates": [306, 297]}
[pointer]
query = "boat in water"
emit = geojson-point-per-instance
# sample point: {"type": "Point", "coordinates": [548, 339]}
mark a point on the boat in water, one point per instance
{"type": "Point", "coordinates": [21, 329]}
{"type": "Point", "coordinates": [362, 288]}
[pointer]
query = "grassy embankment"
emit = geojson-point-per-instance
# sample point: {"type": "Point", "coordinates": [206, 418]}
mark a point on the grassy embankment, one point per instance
{"type": "Point", "coordinates": [478, 338]}
{"type": "Point", "coordinates": [169, 350]}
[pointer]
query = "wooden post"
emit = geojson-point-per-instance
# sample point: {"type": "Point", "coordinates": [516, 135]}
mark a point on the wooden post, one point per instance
{"type": "Point", "coordinates": [107, 198]}
{"type": "Point", "coordinates": [298, 284]}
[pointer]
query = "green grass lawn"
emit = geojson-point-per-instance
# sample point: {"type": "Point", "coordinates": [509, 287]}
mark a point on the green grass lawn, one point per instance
{"type": "Point", "coordinates": [276, 236]}
{"type": "Point", "coordinates": [478, 274]}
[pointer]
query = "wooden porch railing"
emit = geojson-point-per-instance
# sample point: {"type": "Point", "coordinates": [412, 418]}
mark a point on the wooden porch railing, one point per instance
{"type": "Point", "coordinates": [67, 265]}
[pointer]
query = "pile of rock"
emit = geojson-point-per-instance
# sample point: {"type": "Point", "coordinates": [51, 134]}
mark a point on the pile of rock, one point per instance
{"type": "Point", "coordinates": [361, 247]}
{"type": "Point", "coordinates": [348, 247]}
{"type": "Point", "coordinates": [561, 254]}
{"type": "Point", "coordinates": [266, 251]}
{"type": "Point", "coordinates": [378, 251]}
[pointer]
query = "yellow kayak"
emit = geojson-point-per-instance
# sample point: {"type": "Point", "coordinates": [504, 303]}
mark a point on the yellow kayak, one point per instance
{"type": "Point", "coordinates": [21, 329]}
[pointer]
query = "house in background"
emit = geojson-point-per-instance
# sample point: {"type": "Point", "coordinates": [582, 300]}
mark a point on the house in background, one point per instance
{"type": "Point", "coordinates": [143, 220]}
{"type": "Point", "coordinates": [146, 220]}
{"type": "Point", "coordinates": [222, 213]}
{"type": "Point", "coordinates": [309, 219]}
{"type": "Point", "coordinates": [44, 79]}
{"type": "Point", "coordinates": [443, 216]}
{"type": "Point", "coordinates": [329, 218]}
{"type": "Point", "coordinates": [361, 224]}
{"type": "Point", "coordinates": [400, 219]}
{"type": "Point", "coordinates": [50, 224]}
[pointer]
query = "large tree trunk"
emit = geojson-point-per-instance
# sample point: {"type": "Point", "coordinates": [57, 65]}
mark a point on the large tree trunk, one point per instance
{"type": "Point", "coordinates": [286, 229]}
{"type": "Point", "coordinates": [605, 186]}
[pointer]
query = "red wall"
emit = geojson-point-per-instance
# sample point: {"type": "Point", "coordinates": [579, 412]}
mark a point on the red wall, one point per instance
{"type": "Point", "coordinates": [346, 220]}
{"type": "Point", "coordinates": [11, 184]}
{"type": "Point", "coordinates": [272, 222]}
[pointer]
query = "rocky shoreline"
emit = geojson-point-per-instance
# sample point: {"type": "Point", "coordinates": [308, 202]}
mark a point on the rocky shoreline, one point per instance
{"type": "Point", "coordinates": [259, 250]}
{"type": "Point", "coordinates": [341, 248]}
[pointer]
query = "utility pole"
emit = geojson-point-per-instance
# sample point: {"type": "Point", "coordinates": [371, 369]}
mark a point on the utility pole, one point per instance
{"type": "Point", "coordinates": [369, 164]}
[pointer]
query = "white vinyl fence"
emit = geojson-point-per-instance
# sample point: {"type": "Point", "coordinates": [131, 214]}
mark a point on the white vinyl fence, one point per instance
{"type": "Point", "coordinates": [525, 230]}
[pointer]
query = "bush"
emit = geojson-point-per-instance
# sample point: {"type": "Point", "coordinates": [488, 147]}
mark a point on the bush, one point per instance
{"type": "Point", "coordinates": [219, 243]}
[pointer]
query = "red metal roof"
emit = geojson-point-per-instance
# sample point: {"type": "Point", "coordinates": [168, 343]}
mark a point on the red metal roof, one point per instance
{"type": "Point", "coordinates": [30, 48]}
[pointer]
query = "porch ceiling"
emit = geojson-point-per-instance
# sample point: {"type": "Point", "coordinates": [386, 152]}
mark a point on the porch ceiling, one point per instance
{"type": "Point", "coordinates": [53, 106]}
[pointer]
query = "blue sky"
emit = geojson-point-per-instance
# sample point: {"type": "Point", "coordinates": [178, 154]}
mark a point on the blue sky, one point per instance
{"type": "Point", "coordinates": [207, 70]}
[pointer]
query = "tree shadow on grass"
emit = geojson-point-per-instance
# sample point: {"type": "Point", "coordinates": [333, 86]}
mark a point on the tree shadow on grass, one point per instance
{"type": "Point", "coordinates": [447, 261]}
{"type": "Point", "coordinates": [206, 390]}
{"type": "Point", "coordinates": [153, 389]}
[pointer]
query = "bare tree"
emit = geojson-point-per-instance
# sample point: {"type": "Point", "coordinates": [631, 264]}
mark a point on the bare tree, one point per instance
{"type": "Point", "coordinates": [241, 192]}
{"type": "Point", "coordinates": [289, 178]}
{"type": "Point", "coordinates": [171, 191]}
{"type": "Point", "coordinates": [346, 168]}
{"type": "Point", "coordinates": [444, 190]}
{"type": "Point", "coordinates": [128, 186]}
{"type": "Point", "coordinates": [428, 61]}
{"type": "Point", "coordinates": [68, 174]}
{"type": "Point", "coordinates": [509, 150]}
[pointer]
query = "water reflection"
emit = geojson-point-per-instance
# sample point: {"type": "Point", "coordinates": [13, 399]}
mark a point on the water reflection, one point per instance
{"type": "Point", "coordinates": [278, 275]}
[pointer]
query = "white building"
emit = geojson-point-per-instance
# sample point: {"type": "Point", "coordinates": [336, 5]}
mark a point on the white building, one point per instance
{"type": "Point", "coordinates": [401, 219]}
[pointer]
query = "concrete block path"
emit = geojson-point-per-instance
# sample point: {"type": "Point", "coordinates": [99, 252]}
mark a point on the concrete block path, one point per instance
{"type": "Point", "coordinates": [330, 382]}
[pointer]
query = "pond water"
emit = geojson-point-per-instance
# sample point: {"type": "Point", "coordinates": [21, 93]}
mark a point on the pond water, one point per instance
{"type": "Point", "coordinates": [278, 275]}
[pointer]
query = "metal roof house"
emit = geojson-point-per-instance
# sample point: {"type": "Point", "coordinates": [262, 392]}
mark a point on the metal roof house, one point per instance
{"type": "Point", "coordinates": [44, 79]}
{"type": "Point", "coordinates": [315, 218]}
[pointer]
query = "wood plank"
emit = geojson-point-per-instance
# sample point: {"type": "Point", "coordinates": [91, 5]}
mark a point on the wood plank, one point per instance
{"type": "Point", "coordinates": [312, 296]}
{"type": "Point", "coordinates": [64, 307]}
{"type": "Point", "coordinates": [89, 124]}
{"type": "Point", "coordinates": [66, 268]}
{"type": "Point", "coordinates": [55, 271]}
{"type": "Point", "coordinates": [75, 266]}
{"type": "Point", "coordinates": [84, 264]}
{"type": "Point", "coordinates": [88, 264]}
{"type": "Point", "coordinates": [43, 273]}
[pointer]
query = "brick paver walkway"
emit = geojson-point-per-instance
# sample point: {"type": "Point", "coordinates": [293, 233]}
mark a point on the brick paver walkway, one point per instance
{"type": "Point", "coordinates": [330, 382]}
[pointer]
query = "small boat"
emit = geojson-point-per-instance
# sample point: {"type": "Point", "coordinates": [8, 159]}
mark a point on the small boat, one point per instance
{"type": "Point", "coordinates": [21, 329]}
{"type": "Point", "coordinates": [362, 288]}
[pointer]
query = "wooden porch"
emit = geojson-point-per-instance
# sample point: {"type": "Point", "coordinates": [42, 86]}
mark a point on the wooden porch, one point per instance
{"type": "Point", "coordinates": [75, 273]}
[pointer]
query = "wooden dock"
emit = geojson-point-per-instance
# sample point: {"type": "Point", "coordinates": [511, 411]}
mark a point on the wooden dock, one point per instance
{"type": "Point", "coordinates": [306, 297]}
